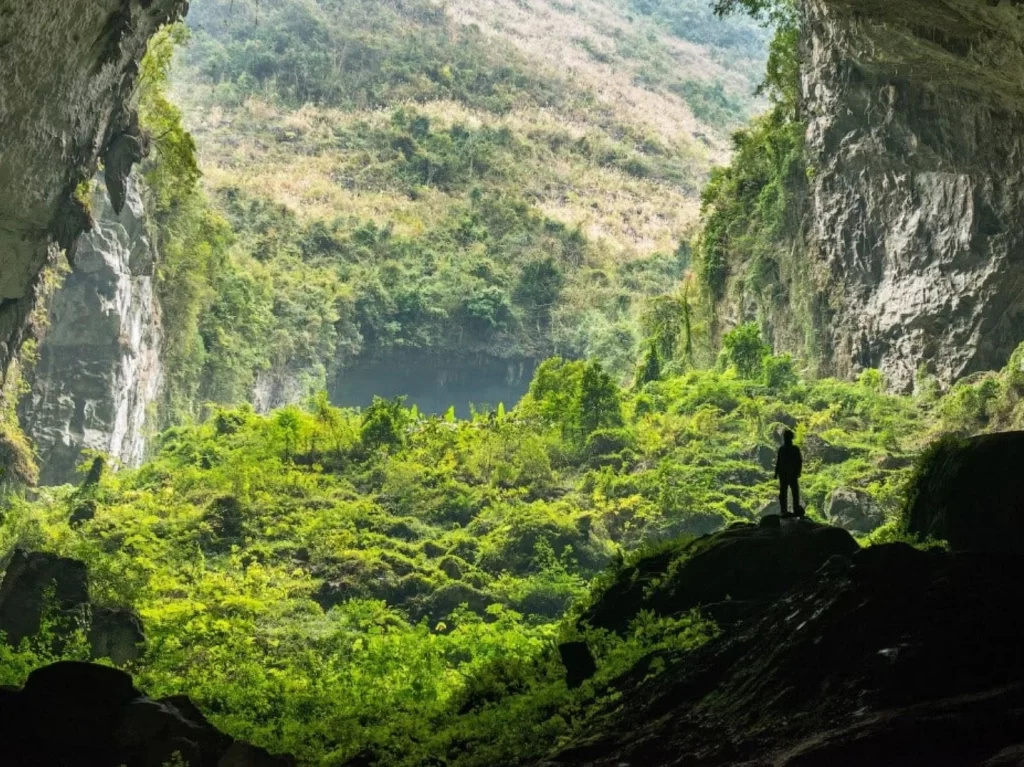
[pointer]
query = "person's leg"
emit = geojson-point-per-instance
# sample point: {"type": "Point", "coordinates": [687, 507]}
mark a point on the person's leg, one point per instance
{"type": "Point", "coordinates": [782, 495]}
{"type": "Point", "coordinates": [795, 484]}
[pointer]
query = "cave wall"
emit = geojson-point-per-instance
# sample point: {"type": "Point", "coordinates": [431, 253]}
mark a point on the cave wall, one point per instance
{"type": "Point", "coordinates": [68, 70]}
{"type": "Point", "coordinates": [99, 369]}
{"type": "Point", "coordinates": [914, 226]}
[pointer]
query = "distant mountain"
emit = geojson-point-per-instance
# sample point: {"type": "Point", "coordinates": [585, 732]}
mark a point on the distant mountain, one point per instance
{"type": "Point", "coordinates": [506, 178]}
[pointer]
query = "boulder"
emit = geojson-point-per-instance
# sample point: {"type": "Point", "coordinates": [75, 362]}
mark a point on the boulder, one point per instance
{"type": "Point", "coordinates": [116, 633]}
{"type": "Point", "coordinates": [83, 714]}
{"type": "Point", "coordinates": [891, 462]}
{"type": "Point", "coordinates": [754, 564]}
{"type": "Point", "coordinates": [817, 448]}
{"type": "Point", "coordinates": [839, 670]}
{"type": "Point", "coordinates": [578, 661]}
{"type": "Point", "coordinates": [38, 583]}
{"type": "Point", "coordinates": [83, 511]}
{"type": "Point", "coordinates": [853, 510]}
{"type": "Point", "coordinates": [31, 581]}
{"type": "Point", "coordinates": [969, 493]}
{"type": "Point", "coordinates": [763, 456]}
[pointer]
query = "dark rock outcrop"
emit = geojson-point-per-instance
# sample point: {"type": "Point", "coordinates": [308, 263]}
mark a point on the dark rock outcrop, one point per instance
{"type": "Point", "coordinates": [116, 633]}
{"type": "Point", "coordinates": [38, 585]}
{"type": "Point", "coordinates": [891, 656]}
{"type": "Point", "coordinates": [764, 456]}
{"type": "Point", "coordinates": [853, 510]}
{"type": "Point", "coordinates": [816, 448]}
{"type": "Point", "coordinates": [69, 70]}
{"type": "Point", "coordinates": [81, 714]}
{"type": "Point", "coordinates": [35, 582]}
{"type": "Point", "coordinates": [971, 493]}
{"type": "Point", "coordinates": [748, 564]}
{"type": "Point", "coordinates": [578, 661]}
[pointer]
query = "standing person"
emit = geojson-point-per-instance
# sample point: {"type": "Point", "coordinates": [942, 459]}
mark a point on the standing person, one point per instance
{"type": "Point", "coordinates": [789, 465]}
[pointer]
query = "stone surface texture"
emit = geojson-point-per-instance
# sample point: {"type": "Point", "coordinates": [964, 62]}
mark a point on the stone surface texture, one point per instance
{"type": "Point", "coordinates": [67, 72]}
{"type": "Point", "coordinates": [99, 366]}
{"type": "Point", "coordinates": [914, 226]}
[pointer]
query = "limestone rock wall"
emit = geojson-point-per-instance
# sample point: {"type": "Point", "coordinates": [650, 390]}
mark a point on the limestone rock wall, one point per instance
{"type": "Point", "coordinates": [915, 220]}
{"type": "Point", "coordinates": [67, 71]}
{"type": "Point", "coordinates": [99, 366]}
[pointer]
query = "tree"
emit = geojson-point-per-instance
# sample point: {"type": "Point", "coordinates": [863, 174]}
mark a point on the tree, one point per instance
{"type": "Point", "coordinates": [384, 424]}
{"type": "Point", "coordinates": [650, 368]}
{"type": "Point", "coordinates": [745, 351]}
{"type": "Point", "coordinates": [598, 405]}
{"type": "Point", "coordinates": [540, 285]}
{"type": "Point", "coordinates": [779, 372]}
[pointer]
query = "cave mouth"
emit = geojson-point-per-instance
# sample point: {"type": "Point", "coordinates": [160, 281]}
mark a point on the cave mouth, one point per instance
{"type": "Point", "coordinates": [435, 384]}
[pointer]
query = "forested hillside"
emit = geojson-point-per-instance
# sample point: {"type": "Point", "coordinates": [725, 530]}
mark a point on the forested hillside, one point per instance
{"type": "Point", "coordinates": [401, 180]}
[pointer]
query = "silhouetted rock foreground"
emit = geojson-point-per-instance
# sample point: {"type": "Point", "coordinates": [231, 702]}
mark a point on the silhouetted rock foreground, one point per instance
{"type": "Point", "coordinates": [970, 492]}
{"type": "Point", "coordinates": [732, 574]}
{"type": "Point", "coordinates": [92, 716]}
{"type": "Point", "coordinates": [889, 656]}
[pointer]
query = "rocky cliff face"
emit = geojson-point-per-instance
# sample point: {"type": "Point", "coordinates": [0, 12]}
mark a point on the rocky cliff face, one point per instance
{"type": "Point", "coordinates": [915, 218]}
{"type": "Point", "coordinates": [69, 67]}
{"type": "Point", "coordinates": [99, 366]}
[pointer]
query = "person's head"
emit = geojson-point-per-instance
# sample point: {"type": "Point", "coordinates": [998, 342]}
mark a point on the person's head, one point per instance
{"type": "Point", "coordinates": [787, 436]}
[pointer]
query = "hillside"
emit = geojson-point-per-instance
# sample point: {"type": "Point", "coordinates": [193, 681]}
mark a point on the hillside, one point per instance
{"type": "Point", "coordinates": [461, 181]}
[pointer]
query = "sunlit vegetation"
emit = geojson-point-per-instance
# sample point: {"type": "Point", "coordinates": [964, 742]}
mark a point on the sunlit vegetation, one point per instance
{"type": "Point", "coordinates": [333, 582]}
{"type": "Point", "coordinates": [383, 178]}
{"type": "Point", "coordinates": [388, 586]}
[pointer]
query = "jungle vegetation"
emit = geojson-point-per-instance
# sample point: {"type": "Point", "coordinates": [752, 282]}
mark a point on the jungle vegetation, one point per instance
{"type": "Point", "coordinates": [390, 586]}
{"type": "Point", "coordinates": [334, 582]}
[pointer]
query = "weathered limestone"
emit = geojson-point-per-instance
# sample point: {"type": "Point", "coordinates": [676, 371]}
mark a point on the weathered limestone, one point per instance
{"type": "Point", "coordinates": [99, 364]}
{"type": "Point", "coordinates": [67, 70]}
{"type": "Point", "coordinates": [915, 222]}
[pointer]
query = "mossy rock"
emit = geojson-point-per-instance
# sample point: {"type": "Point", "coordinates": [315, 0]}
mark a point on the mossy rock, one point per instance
{"type": "Point", "coordinates": [747, 563]}
{"type": "Point", "coordinates": [440, 603]}
{"type": "Point", "coordinates": [968, 492]}
{"type": "Point", "coordinates": [433, 550]}
{"type": "Point", "coordinates": [454, 567]}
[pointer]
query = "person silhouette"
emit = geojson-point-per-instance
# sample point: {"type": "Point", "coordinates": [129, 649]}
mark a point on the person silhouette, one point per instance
{"type": "Point", "coordinates": [789, 465]}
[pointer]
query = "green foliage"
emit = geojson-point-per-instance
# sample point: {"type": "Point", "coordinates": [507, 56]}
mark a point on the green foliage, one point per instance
{"type": "Point", "coordinates": [745, 351]}
{"type": "Point", "coordinates": [383, 424]}
{"type": "Point", "coordinates": [695, 21]}
{"type": "Point", "coordinates": [650, 367]}
{"type": "Point", "coordinates": [751, 209]}
{"type": "Point", "coordinates": [449, 148]}
{"type": "Point", "coordinates": [779, 372]}
{"type": "Point", "coordinates": [355, 54]}
{"type": "Point", "coordinates": [332, 582]}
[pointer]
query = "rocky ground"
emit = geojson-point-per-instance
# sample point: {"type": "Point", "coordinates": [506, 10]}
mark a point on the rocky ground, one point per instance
{"type": "Point", "coordinates": [887, 655]}
{"type": "Point", "coordinates": [87, 715]}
